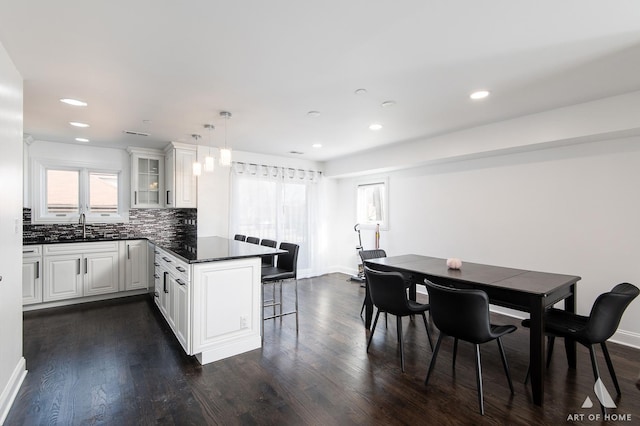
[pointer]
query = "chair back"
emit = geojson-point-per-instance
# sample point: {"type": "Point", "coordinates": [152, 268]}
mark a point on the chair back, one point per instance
{"type": "Point", "coordinates": [387, 291]}
{"type": "Point", "coordinates": [607, 311]}
{"type": "Point", "coordinates": [253, 240]}
{"type": "Point", "coordinates": [289, 261]}
{"type": "Point", "coordinates": [372, 254]}
{"type": "Point", "coordinates": [460, 313]}
{"type": "Point", "coordinates": [268, 260]}
{"type": "Point", "coordinates": [240, 237]}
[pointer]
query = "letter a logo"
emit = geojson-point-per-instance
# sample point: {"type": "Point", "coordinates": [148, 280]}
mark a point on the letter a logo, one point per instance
{"type": "Point", "coordinates": [603, 396]}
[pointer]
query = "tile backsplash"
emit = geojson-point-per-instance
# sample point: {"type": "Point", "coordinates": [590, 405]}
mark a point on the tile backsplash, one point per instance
{"type": "Point", "coordinates": [164, 226]}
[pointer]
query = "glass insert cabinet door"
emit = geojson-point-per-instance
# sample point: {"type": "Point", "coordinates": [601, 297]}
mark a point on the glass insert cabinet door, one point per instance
{"type": "Point", "coordinates": [148, 181]}
{"type": "Point", "coordinates": [147, 178]}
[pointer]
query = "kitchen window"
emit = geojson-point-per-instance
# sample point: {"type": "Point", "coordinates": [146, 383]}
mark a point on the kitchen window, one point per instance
{"type": "Point", "coordinates": [61, 192]}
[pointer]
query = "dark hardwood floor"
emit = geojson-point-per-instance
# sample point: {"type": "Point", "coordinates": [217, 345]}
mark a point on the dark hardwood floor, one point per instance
{"type": "Point", "coordinates": [118, 363]}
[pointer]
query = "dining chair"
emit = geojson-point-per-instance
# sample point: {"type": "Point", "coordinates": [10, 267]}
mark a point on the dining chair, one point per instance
{"type": "Point", "coordinates": [388, 293]}
{"type": "Point", "coordinates": [253, 240]}
{"type": "Point", "coordinates": [240, 237]}
{"type": "Point", "coordinates": [286, 269]}
{"type": "Point", "coordinates": [366, 255]}
{"type": "Point", "coordinates": [591, 330]}
{"type": "Point", "coordinates": [464, 315]}
{"type": "Point", "coordinates": [268, 260]}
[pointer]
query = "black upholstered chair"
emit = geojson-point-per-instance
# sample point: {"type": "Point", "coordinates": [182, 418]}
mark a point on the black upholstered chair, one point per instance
{"type": "Point", "coordinates": [253, 240]}
{"type": "Point", "coordinates": [366, 255]}
{"type": "Point", "coordinates": [389, 294]}
{"type": "Point", "coordinates": [286, 269]}
{"type": "Point", "coordinates": [597, 328]}
{"type": "Point", "coordinates": [464, 315]}
{"type": "Point", "coordinates": [268, 260]}
{"type": "Point", "coordinates": [240, 237]}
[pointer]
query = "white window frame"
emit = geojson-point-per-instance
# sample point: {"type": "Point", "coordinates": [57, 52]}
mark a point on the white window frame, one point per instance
{"type": "Point", "coordinates": [384, 223]}
{"type": "Point", "coordinates": [39, 193]}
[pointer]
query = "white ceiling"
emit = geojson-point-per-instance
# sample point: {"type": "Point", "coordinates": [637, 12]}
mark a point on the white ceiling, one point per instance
{"type": "Point", "coordinates": [179, 63]}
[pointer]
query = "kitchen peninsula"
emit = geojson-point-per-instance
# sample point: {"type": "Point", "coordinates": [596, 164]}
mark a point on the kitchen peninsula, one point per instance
{"type": "Point", "coordinates": [210, 295]}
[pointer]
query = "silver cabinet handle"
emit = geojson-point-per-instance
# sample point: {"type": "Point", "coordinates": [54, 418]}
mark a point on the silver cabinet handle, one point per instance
{"type": "Point", "coordinates": [179, 281]}
{"type": "Point", "coordinates": [37, 269]}
{"type": "Point", "coordinates": [78, 267]}
{"type": "Point", "coordinates": [156, 294]}
{"type": "Point", "coordinates": [181, 269]}
{"type": "Point", "coordinates": [128, 255]}
{"type": "Point", "coordinates": [85, 266]}
{"type": "Point", "coordinates": [166, 259]}
{"type": "Point", "coordinates": [156, 264]}
{"type": "Point", "coordinates": [28, 251]}
{"type": "Point", "coordinates": [156, 276]}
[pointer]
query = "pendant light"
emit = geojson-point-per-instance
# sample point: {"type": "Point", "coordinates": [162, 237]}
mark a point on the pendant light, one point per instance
{"type": "Point", "coordinates": [197, 167]}
{"type": "Point", "coordinates": [209, 161]}
{"type": "Point", "coordinates": [225, 153]}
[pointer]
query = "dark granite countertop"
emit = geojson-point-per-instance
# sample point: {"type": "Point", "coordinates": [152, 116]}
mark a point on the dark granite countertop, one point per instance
{"type": "Point", "coordinates": [206, 249]}
{"type": "Point", "coordinates": [211, 249]}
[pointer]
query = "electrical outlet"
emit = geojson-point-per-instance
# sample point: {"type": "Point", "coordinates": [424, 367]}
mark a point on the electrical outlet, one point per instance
{"type": "Point", "coordinates": [243, 322]}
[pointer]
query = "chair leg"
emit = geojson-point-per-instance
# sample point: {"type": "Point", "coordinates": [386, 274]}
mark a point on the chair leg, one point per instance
{"type": "Point", "coordinates": [373, 329]}
{"type": "Point", "coordinates": [295, 284]}
{"type": "Point", "coordinates": [455, 352]}
{"type": "Point", "coordinates": [362, 309]}
{"type": "Point", "coordinates": [400, 340]}
{"type": "Point", "coordinates": [479, 379]}
{"type": "Point", "coordinates": [424, 318]}
{"type": "Point", "coordinates": [610, 367]}
{"type": "Point", "coordinates": [550, 341]}
{"type": "Point", "coordinates": [504, 363]}
{"type": "Point", "coordinates": [596, 373]}
{"type": "Point", "coordinates": [433, 358]}
{"type": "Point", "coordinates": [281, 300]}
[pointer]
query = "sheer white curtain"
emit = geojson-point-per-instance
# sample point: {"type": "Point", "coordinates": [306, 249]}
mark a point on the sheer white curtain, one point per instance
{"type": "Point", "coordinates": [281, 204]}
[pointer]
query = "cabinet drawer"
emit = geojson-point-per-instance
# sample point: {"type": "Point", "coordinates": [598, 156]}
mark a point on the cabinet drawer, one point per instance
{"type": "Point", "coordinates": [72, 248]}
{"type": "Point", "coordinates": [31, 251]}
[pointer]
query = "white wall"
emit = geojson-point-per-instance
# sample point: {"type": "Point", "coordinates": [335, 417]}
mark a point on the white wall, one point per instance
{"type": "Point", "coordinates": [570, 209]}
{"type": "Point", "coordinates": [12, 364]}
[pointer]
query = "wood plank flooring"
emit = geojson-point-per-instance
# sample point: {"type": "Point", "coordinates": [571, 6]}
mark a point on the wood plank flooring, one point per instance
{"type": "Point", "coordinates": [117, 363]}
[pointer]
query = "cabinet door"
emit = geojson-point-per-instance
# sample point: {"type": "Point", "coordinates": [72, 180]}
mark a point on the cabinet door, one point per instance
{"type": "Point", "coordinates": [157, 290]}
{"type": "Point", "coordinates": [100, 273]}
{"type": "Point", "coordinates": [31, 281]}
{"type": "Point", "coordinates": [62, 277]}
{"type": "Point", "coordinates": [185, 181]}
{"type": "Point", "coordinates": [164, 294]}
{"type": "Point", "coordinates": [171, 300]}
{"type": "Point", "coordinates": [147, 180]}
{"type": "Point", "coordinates": [181, 311]}
{"type": "Point", "coordinates": [136, 265]}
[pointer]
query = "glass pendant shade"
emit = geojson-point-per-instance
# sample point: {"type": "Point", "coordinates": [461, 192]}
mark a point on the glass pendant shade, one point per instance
{"type": "Point", "coordinates": [197, 169]}
{"type": "Point", "coordinates": [225, 157]}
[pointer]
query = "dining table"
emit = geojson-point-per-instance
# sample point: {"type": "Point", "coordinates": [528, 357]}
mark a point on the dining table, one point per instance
{"type": "Point", "coordinates": [520, 289]}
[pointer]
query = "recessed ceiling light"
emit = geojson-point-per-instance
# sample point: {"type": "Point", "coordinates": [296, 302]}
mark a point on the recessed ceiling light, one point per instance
{"type": "Point", "coordinates": [361, 92]}
{"type": "Point", "coordinates": [480, 94]}
{"type": "Point", "coordinates": [73, 102]}
{"type": "Point", "coordinates": [388, 104]}
{"type": "Point", "coordinates": [375, 126]}
{"type": "Point", "coordinates": [317, 145]}
{"type": "Point", "coordinates": [78, 124]}
{"type": "Point", "coordinates": [82, 139]}
{"type": "Point", "coordinates": [313, 113]}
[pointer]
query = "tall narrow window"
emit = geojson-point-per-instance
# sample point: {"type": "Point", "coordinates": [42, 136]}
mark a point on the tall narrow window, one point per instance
{"type": "Point", "coordinates": [372, 203]}
{"type": "Point", "coordinates": [63, 192]}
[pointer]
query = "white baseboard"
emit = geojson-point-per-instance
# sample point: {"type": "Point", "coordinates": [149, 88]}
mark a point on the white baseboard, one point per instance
{"type": "Point", "coordinates": [10, 391]}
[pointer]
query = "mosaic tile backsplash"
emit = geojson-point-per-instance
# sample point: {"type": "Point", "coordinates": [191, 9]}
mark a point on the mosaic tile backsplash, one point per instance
{"type": "Point", "coordinates": [167, 227]}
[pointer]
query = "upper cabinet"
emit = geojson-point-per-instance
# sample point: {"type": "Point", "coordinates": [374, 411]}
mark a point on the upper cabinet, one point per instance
{"type": "Point", "coordinates": [147, 178]}
{"type": "Point", "coordinates": [180, 182]}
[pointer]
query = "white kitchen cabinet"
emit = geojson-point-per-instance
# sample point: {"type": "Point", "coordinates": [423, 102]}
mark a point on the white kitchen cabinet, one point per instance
{"type": "Point", "coordinates": [172, 294]}
{"type": "Point", "coordinates": [147, 178]}
{"type": "Point", "coordinates": [180, 300]}
{"type": "Point", "coordinates": [31, 275]}
{"type": "Point", "coordinates": [63, 277]}
{"type": "Point", "coordinates": [136, 268]}
{"type": "Point", "coordinates": [80, 269]}
{"type": "Point", "coordinates": [180, 183]}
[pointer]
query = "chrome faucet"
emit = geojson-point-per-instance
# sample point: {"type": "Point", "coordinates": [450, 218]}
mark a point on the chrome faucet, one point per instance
{"type": "Point", "coordinates": [83, 222]}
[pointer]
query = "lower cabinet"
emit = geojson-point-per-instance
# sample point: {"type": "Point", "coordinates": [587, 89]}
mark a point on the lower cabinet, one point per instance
{"type": "Point", "coordinates": [78, 275]}
{"type": "Point", "coordinates": [172, 294]}
{"type": "Point", "coordinates": [136, 266]}
{"type": "Point", "coordinates": [32, 275]}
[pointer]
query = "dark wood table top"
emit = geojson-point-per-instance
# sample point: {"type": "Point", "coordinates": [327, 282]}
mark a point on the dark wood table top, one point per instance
{"type": "Point", "coordinates": [520, 280]}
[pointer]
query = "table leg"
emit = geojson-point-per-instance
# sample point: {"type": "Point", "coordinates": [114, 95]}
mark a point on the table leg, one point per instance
{"type": "Point", "coordinates": [537, 350]}
{"type": "Point", "coordinates": [570, 344]}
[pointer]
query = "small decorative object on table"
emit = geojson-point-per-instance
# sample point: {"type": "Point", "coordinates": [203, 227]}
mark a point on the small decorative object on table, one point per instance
{"type": "Point", "coordinates": [454, 263]}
